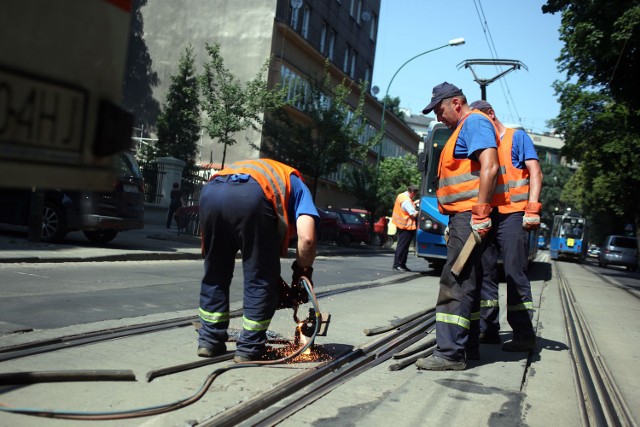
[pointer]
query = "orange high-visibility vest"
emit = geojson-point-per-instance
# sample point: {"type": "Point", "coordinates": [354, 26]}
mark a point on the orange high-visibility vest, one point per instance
{"type": "Point", "coordinates": [273, 177]}
{"type": "Point", "coordinates": [401, 218]}
{"type": "Point", "coordinates": [459, 179]}
{"type": "Point", "coordinates": [518, 179]}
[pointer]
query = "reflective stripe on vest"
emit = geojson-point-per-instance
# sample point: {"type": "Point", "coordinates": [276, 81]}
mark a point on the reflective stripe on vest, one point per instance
{"type": "Point", "coordinates": [459, 179]}
{"type": "Point", "coordinates": [401, 218]}
{"type": "Point", "coordinates": [453, 319]}
{"type": "Point", "coordinates": [255, 325]}
{"type": "Point", "coordinates": [489, 303]}
{"type": "Point", "coordinates": [213, 317]}
{"type": "Point", "coordinates": [518, 179]}
{"type": "Point", "coordinates": [521, 307]}
{"type": "Point", "coordinates": [273, 177]}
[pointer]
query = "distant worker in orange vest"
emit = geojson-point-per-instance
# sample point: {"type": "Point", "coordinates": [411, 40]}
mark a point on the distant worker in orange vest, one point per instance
{"type": "Point", "coordinates": [404, 217]}
{"type": "Point", "coordinates": [514, 220]}
{"type": "Point", "coordinates": [252, 206]}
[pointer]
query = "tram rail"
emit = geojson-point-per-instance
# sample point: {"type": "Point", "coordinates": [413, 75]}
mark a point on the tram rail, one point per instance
{"type": "Point", "coordinates": [600, 400]}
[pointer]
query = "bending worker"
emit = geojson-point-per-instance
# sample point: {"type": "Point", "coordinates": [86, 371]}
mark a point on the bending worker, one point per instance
{"type": "Point", "coordinates": [253, 206]}
{"type": "Point", "coordinates": [468, 187]}
{"type": "Point", "coordinates": [514, 220]}
{"type": "Point", "coordinates": [404, 217]}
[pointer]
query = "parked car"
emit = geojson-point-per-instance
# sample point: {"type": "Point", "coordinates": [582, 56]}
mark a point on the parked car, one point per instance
{"type": "Point", "coordinates": [380, 235]}
{"type": "Point", "coordinates": [619, 250]}
{"type": "Point", "coordinates": [593, 251]}
{"type": "Point", "coordinates": [100, 215]}
{"type": "Point", "coordinates": [347, 227]}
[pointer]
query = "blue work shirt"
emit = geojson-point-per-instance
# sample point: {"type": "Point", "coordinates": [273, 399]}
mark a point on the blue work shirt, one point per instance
{"type": "Point", "coordinates": [522, 149]}
{"type": "Point", "coordinates": [300, 200]}
{"type": "Point", "coordinates": [477, 133]}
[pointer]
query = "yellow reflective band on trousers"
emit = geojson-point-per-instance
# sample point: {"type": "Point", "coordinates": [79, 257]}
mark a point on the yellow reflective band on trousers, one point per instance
{"type": "Point", "coordinates": [475, 316]}
{"type": "Point", "coordinates": [521, 307]}
{"type": "Point", "coordinates": [453, 319]}
{"type": "Point", "coordinates": [253, 325]}
{"type": "Point", "coordinates": [215, 317]}
{"type": "Point", "coordinates": [486, 303]}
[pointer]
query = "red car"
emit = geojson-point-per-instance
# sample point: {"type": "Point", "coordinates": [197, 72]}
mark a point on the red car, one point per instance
{"type": "Point", "coordinates": [343, 227]}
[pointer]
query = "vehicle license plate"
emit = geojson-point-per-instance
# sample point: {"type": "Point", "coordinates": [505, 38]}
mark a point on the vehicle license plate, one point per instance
{"type": "Point", "coordinates": [128, 188]}
{"type": "Point", "coordinates": [37, 113]}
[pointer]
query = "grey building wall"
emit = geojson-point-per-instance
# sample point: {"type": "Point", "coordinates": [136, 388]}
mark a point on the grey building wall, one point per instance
{"type": "Point", "coordinates": [242, 28]}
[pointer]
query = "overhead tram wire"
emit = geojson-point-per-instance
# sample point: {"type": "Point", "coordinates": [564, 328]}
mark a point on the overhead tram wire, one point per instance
{"type": "Point", "coordinates": [494, 55]}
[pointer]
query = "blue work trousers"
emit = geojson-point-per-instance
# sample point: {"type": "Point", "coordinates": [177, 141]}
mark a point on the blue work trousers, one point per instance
{"type": "Point", "coordinates": [511, 240]}
{"type": "Point", "coordinates": [405, 237]}
{"type": "Point", "coordinates": [236, 216]}
{"type": "Point", "coordinates": [459, 296]}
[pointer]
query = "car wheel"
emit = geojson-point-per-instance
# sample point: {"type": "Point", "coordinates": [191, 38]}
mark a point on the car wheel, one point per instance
{"type": "Point", "coordinates": [376, 239]}
{"type": "Point", "coordinates": [389, 242]}
{"type": "Point", "coordinates": [54, 225]}
{"type": "Point", "coordinates": [344, 239]}
{"type": "Point", "coordinates": [101, 236]}
{"type": "Point", "coordinates": [631, 268]}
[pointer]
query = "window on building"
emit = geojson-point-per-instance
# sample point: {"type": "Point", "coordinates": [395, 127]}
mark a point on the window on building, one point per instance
{"type": "Point", "coordinates": [358, 11]}
{"type": "Point", "coordinates": [367, 75]}
{"type": "Point", "coordinates": [352, 8]}
{"type": "Point", "coordinates": [352, 68]}
{"type": "Point", "coordinates": [332, 44]}
{"type": "Point", "coordinates": [323, 38]}
{"type": "Point", "coordinates": [345, 62]}
{"type": "Point", "coordinates": [372, 27]}
{"type": "Point", "coordinates": [294, 17]}
{"type": "Point", "coordinates": [306, 18]}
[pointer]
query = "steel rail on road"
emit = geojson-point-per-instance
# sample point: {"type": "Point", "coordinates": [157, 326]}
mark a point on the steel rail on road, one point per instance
{"type": "Point", "coordinates": [60, 343]}
{"type": "Point", "coordinates": [601, 401]}
{"type": "Point", "coordinates": [319, 381]}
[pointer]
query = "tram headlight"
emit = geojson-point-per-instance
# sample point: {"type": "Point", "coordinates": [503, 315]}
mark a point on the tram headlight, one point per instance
{"type": "Point", "coordinates": [430, 225]}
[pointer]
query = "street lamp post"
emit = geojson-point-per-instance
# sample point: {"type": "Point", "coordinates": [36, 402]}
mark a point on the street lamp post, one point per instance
{"type": "Point", "coordinates": [455, 42]}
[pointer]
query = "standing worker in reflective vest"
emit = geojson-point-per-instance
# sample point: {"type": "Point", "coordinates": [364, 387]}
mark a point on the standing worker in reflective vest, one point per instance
{"type": "Point", "coordinates": [254, 207]}
{"type": "Point", "coordinates": [404, 217]}
{"type": "Point", "coordinates": [514, 220]}
{"type": "Point", "coordinates": [469, 186]}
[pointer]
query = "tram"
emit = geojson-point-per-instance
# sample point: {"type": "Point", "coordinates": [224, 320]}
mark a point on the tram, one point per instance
{"type": "Point", "coordinates": [569, 236]}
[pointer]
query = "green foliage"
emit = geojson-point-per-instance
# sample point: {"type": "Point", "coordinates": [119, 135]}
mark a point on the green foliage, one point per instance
{"type": "Point", "coordinates": [326, 136]}
{"type": "Point", "coordinates": [362, 182]}
{"type": "Point", "coordinates": [599, 113]}
{"type": "Point", "coordinates": [555, 179]}
{"type": "Point", "coordinates": [393, 106]}
{"type": "Point", "coordinates": [179, 120]}
{"type": "Point", "coordinates": [396, 174]}
{"type": "Point", "coordinates": [232, 107]}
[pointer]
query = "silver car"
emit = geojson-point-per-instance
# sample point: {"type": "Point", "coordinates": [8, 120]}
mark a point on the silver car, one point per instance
{"type": "Point", "coordinates": [619, 250]}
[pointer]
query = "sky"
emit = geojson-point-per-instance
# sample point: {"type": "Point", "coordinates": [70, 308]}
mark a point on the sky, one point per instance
{"type": "Point", "coordinates": [502, 29]}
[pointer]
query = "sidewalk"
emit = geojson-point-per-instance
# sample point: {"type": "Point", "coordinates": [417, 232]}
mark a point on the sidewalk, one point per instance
{"type": "Point", "coordinates": [153, 242]}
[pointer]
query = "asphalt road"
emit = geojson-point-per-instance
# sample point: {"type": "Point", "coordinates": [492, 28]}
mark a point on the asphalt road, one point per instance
{"type": "Point", "coordinates": [45, 296]}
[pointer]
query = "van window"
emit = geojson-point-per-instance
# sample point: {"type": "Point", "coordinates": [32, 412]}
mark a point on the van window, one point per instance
{"type": "Point", "coordinates": [624, 242]}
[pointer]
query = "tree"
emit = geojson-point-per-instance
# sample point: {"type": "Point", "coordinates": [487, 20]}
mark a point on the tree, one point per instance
{"type": "Point", "coordinates": [393, 105]}
{"type": "Point", "coordinates": [599, 113]}
{"type": "Point", "coordinates": [232, 107]}
{"type": "Point", "coordinates": [396, 174]}
{"type": "Point", "coordinates": [179, 120]}
{"type": "Point", "coordinates": [362, 182]}
{"type": "Point", "coordinates": [139, 78]}
{"type": "Point", "coordinates": [555, 179]}
{"type": "Point", "coordinates": [326, 136]}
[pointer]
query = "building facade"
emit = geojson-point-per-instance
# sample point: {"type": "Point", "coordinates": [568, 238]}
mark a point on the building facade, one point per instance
{"type": "Point", "coordinates": [297, 36]}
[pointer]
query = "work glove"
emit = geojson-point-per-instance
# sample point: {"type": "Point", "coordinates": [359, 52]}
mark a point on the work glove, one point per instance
{"type": "Point", "coordinates": [531, 218]}
{"type": "Point", "coordinates": [480, 220]}
{"type": "Point", "coordinates": [446, 235]}
{"type": "Point", "coordinates": [286, 295]}
{"type": "Point", "coordinates": [299, 292]}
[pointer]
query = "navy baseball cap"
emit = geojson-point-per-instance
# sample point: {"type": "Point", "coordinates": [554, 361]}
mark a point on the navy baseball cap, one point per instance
{"type": "Point", "coordinates": [480, 104]}
{"type": "Point", "coordinates": [442, 91]}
